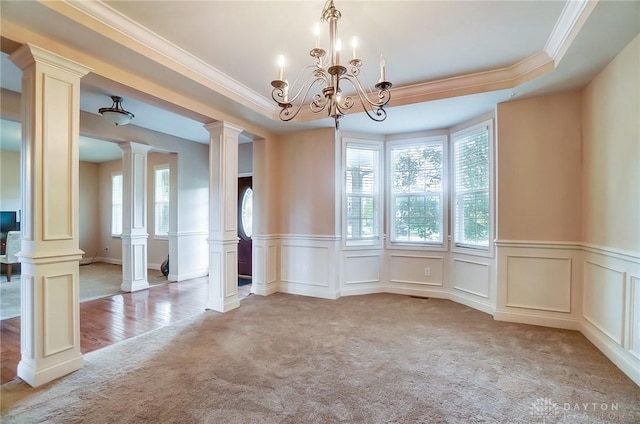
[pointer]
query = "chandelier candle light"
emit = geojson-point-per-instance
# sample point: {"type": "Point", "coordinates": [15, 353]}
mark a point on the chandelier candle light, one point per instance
{"type": "Point", "coordinates": [329, 73]}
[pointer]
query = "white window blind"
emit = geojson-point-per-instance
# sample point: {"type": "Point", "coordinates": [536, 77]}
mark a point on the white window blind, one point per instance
{"type": "Point", "coordinates": [471, 164]}
{"type": "Point", "coordinates": [362, 192]}
{"type": "Point", "coordinates": [161, 201]}
{"type": "Point", "coordinates": [416, 202]}
{"type": "Point", "coordinates": [116, 204]}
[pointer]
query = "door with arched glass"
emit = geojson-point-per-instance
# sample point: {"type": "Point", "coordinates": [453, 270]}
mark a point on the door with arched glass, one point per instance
{"type": "Point", "coordinates": [245, 225]}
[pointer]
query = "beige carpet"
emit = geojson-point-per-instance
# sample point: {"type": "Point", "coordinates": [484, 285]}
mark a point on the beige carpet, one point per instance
{"type": "Point", "coordinates": [363, 359]}
{"type": "Point", "coordinates": [97, 280]}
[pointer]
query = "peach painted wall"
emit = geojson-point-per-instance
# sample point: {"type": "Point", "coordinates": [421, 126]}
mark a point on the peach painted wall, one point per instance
{"type": "Point", "coordinates": [114, 244]}
{"type": "Point", "coordinates": [611, 173]}
{"type": "Point", "coordinates": [10, 181]}
{"type": "Point", "coordinates": [539, 168]}
{"type": "Point", "coordinates": [302, 170]}
{"type": "Point", "coordinates": [89, 210]}
{"type": "Point", "coordinates": [265, 189]}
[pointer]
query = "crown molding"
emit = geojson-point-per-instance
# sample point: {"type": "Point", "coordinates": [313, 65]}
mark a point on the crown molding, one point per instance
{"type": "Point", "coordinates": [151, 45]}
{"type": "Point", "coordinates": [142, 40]}
{"type": "Point", "coordinates": [461, 85]}
{"type": "Point", "coordinates": [570, 22]}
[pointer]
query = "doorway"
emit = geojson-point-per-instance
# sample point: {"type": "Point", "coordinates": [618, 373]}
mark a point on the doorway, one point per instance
{"type": "Point", "coordinates": [245, 226]}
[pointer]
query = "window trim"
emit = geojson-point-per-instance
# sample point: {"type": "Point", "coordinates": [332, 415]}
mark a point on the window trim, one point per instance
{"type": "Point", "coordinates": [444, 195]}
{"type": "Point", "coordinates": [467, 249]}
{"type": "Point", "coordinates": [111, 230]}
{"type": "Point", "coordinates": [376, 242]}
{"type": "Point", "coordinates": [156, 168]}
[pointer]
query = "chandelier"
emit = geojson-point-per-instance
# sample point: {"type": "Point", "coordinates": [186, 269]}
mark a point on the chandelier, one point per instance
{"type": "Point", "coordinates": [327, 72]}
{"type": "Point", "coordinates": [115, 114]}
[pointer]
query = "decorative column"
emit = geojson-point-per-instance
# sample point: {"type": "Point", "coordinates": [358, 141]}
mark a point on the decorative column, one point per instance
{"type": "Point", "coordinates": [223, 216]}
{"type": "Point", "coordinates": [50, 254]}
{"type": "Point", "coordinates": [134, 217]}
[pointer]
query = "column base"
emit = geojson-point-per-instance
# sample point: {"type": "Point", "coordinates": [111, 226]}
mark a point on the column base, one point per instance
{"type": "Point", "coordinates": [219, 306]}
{"type": "Point", "coordinates": [131, 286]}
{"type": "Point", "coordinates": [35, 377]}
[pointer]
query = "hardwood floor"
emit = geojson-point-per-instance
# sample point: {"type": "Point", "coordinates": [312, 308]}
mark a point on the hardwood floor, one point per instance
{"type": "Point", "coordinates": [112, 319]}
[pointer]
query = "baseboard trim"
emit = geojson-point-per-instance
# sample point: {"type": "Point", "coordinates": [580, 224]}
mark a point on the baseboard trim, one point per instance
{"type": "Point", "coordinates": [627, 363]}
{"type": "Point", "coordinates": [183, 277]}
{"type": "Point", "coordinates": [112, 261]}
{"type": "Point", "coordinates": [264, 289]}
{"type": "Point", "coordinates": [357, 291]}
{"type": "Point", "coordinates": [438, 294]}
{"type": "Point", "coordinates": [308, 291]}
{"type": "Point", "coordinates": [532, 319]}
{"type": "Point", "coordinates": [473, 303]}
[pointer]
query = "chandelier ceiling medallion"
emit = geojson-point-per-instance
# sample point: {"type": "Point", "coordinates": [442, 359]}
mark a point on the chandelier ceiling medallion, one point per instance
{"type": "Point", "coordinates": [328, 72]}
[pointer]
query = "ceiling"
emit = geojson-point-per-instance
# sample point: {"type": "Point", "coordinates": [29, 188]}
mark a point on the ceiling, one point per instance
{"type": "Point", "coordinates": [448, 60]}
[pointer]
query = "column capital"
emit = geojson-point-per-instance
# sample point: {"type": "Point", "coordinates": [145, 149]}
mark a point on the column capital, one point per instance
{"type": "Point", "coordinates": [28, 55]}
{"type": "Point", "coordinates": [218, 127]}
{"type": "Point", "coordinates": [131, 146]}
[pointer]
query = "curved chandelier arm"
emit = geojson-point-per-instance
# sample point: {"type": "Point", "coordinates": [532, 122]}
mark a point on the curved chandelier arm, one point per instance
{"type": "Point", "coordinates": [374, 109]}
{"type": "Point", "coordinates": [291, 107]}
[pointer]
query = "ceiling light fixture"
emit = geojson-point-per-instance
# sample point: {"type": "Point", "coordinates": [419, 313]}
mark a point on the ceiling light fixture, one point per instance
{"type": "Point", "coordinates": [115, 114]}
{"type": "Point", "coordinates": [328, 71]}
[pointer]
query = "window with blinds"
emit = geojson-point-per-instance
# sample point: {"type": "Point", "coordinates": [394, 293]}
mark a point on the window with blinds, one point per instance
{"type": "Point", "coordinates": [362, 165]}
{"type": "Point", "coordinates": [161, 201]}
{"type": "Point", "coordinates": [471, 188]}
{"type": "Point", "coordinates": [116, 204]}
{"type": "Point", "coordinates": [416, 191]}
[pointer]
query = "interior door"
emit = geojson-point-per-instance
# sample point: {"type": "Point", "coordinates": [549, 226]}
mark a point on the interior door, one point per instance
{"type": "Point", "coordinates": [245, 225]}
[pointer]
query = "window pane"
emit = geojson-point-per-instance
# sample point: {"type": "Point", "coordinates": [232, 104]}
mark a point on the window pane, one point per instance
{"type": "Point", "coordinates": [360, 217]}
{"type": "Point", "coordinates": [471, 180]}
{"type": "Point", "coordinates": [417, 193]}
{"type": "Point", "coordinates": [360, 170]}
{"type": "Point", "coordinates": [418, 219]}
{"type": "Point", "coordinates": [473, 218]}
{"type": "Point", "coordinates": [161, 200]}
{"type": "Point", "coordinates": [471, 158]}
{"type": "Point", "coordinates": [116, 204]}
{"type": "Point", "coordinates": [362, 193]}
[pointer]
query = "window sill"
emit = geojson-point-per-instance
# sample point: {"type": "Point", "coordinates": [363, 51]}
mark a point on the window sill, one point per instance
{"type": "Point", "coordinates": [417, 246]}
{"type": "Point", "coordinates": [472, 252]}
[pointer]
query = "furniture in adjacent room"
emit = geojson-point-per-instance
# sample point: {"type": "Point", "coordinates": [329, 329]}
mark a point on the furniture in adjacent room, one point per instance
{"type": "Point", "coordinates": [13, 245]}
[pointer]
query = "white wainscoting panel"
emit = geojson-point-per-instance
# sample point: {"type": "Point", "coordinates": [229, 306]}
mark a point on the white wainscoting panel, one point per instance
{"type": "Point", "coordinates": [362, 268]}
{"type": "Point", "coordinates": [611, 305]}
{"type": "Point", "coordinates": [362, 272]}
{"type": "Point", "coordinates": [409, 268]}
{"type": "Point", "coordinates": [471, 277]}
{"type": "Point", "coordinates": [604, 299]}
{"type": "Point", "coordinates": [309, 265]}
{"type": "Point", "coordinates": [58, 313]}
{"type": "Point", "coordinates": [305, 265]}
{"type": "Point", "coordinates": [264, 269]}
{"type": "Point", "coordinates": [634, 316]}
{"type": "Point", "coordinates": [537, 282]}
